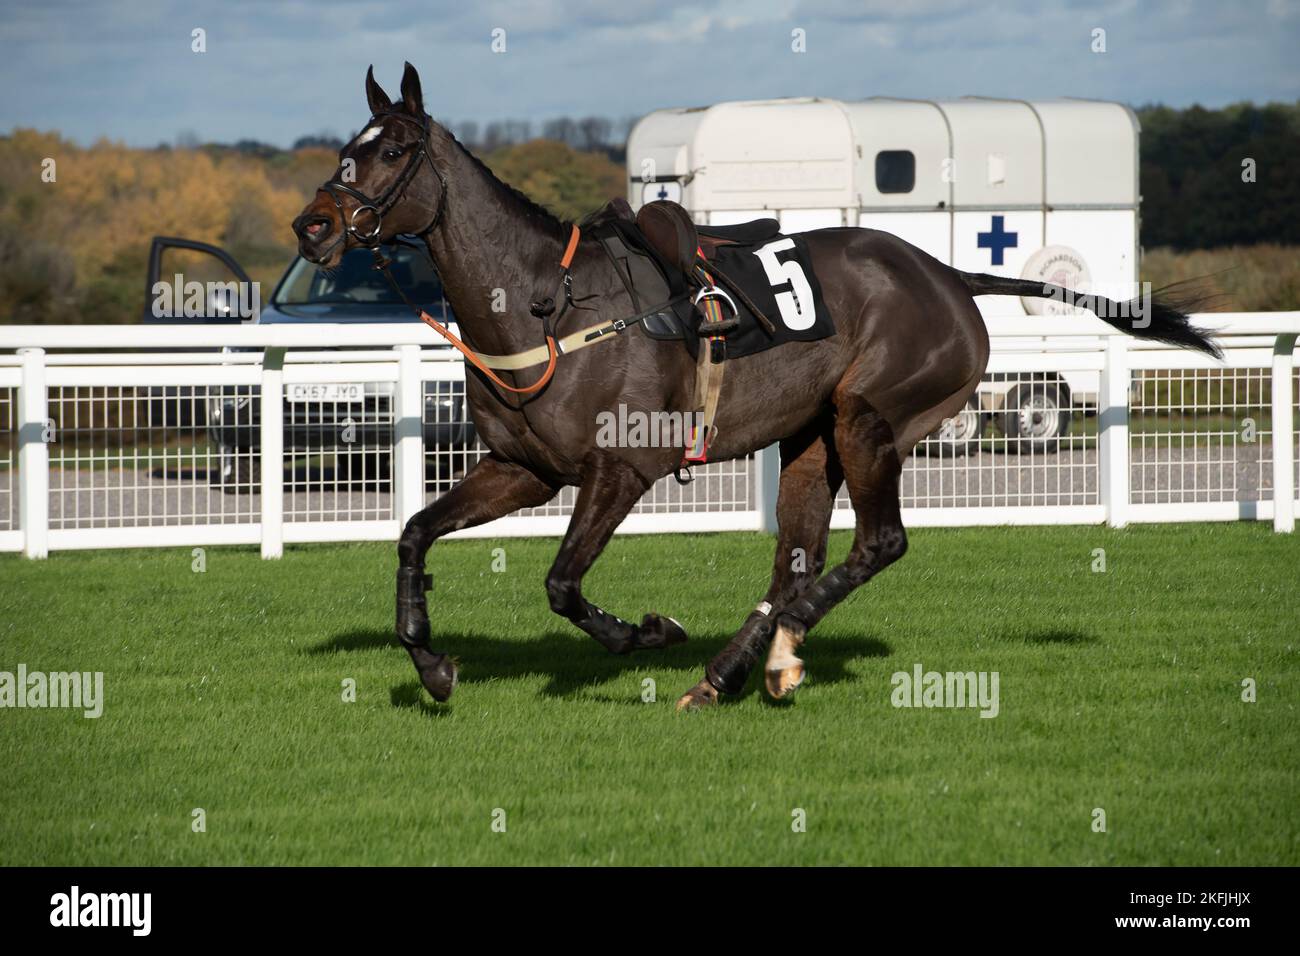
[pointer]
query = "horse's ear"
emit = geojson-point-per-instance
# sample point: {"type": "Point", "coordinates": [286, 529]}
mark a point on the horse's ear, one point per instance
{"type": "Point", "coordinates": [375, 94]}
{"type": "Point", "coordinates": [412, 98]}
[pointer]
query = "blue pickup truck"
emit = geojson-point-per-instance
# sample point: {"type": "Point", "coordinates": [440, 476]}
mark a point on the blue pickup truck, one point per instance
{"type": "Point", "coordinates": [337, 418]}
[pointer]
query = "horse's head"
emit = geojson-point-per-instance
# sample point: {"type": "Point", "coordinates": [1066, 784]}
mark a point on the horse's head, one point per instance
{"type": "Point", "coordinates": [386, 185]}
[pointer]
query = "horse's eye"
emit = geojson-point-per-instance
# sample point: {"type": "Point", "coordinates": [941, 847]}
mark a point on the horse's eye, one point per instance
{"type": "Point", "coordinates": [391, 153]}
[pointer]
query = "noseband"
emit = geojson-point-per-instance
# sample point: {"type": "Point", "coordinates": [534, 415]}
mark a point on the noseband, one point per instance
{"type": "Point", "coordinates": [381, 205]}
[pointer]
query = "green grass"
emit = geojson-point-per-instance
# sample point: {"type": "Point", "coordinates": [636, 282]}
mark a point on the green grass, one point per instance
{"type": "Point", "coordinates": [1119, 690]}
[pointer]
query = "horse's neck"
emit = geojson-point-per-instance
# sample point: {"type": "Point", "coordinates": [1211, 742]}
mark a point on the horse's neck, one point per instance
{"type": "Point", "coordinates": [495, 256]}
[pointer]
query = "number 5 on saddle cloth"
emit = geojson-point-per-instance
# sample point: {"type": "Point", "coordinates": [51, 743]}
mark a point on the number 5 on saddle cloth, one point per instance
{"type": "Point", "coordinates": [744, 288]}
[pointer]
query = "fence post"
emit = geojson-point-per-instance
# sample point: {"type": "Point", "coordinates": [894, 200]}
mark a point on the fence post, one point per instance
{"type": "Point", "coordinates": [767, 467]}
{"type": "Point", "coordinates": [272, 452]}
{"type": "Point", "coordinates": [408, 435]}
{"type": "Point", "coordinates": [33, 455]}
{"type": "Point", "coordinates": [1283, 436]}
{"type": "Point", "coordinates": [1112, 414]}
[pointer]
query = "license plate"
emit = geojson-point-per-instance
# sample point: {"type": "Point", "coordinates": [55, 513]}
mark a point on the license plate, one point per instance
{"type": "Point", "coordinates": [327, 392]}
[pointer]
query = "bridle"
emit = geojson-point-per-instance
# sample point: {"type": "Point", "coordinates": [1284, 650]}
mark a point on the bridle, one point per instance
{"type": "Point", "coordinates": [381, 205]}
{"type": "Point", "coordinates": [543, 309]}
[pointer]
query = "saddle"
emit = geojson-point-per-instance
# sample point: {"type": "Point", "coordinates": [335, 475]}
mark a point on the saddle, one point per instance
{"type": "Point", "coordinates": [679, 239]}
{"type": "Point", "coordinates": [661, 242]}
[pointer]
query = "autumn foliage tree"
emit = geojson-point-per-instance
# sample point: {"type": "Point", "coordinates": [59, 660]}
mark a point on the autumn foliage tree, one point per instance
{"type": "Point", "coordinates": [75, 249]}
{"type": "Point", "coordinates": [75, 224]}
{"type": "Point", "coordinates": [568, 182]}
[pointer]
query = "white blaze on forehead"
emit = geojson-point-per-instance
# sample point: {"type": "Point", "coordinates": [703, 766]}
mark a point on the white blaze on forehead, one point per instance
{"type": "Point", "coordinates": [367, 135]}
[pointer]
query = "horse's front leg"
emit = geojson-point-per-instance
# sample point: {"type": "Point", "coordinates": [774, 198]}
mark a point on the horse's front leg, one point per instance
{"type": "Point", "coordinates": [609, 489]}
{"type": "Point", "coordinates": [491, 489]}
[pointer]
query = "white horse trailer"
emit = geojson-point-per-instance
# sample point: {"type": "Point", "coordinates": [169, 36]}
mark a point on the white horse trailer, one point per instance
{"type": "Point", "coordinates": [1032, 189]}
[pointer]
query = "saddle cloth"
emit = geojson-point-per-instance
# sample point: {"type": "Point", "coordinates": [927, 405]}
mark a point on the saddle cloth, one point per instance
{"type": "Point", "coordinates": [774, 274]}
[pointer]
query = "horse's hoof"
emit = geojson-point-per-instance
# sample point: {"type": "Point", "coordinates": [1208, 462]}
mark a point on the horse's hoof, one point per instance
{"type": "Point", "coordinates": [784, 671]}
{"type": "Point", "coordinates": [783, 681]}
{"type": "Point", "coordinates": [659, 632]}
{"type": "Point", "coordinates": [698, 697]}
{"type": "Point", "coordinates": [439, 677]}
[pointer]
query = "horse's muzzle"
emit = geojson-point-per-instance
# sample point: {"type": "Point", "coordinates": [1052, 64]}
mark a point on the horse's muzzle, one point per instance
{"type": "Point", "coordinates": [319, 235]}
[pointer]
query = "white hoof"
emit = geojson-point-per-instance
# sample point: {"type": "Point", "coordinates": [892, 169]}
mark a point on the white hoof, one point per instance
{"type": "Point", "coordinates": [784, 671]}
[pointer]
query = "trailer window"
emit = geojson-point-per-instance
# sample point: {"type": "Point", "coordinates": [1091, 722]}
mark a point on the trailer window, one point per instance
{"type": "Point", "coordinates": [895, 171]}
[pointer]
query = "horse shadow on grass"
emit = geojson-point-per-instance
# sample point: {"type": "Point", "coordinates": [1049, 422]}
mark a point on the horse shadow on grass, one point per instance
{"type": "Point", "coordinates": [574, 665]}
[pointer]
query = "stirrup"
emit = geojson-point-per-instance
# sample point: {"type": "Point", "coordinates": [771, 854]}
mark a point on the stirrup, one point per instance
{"type": "Point", "coordinates": [715, 292]}
{"type": "Point", "coordinates": [722, 326]}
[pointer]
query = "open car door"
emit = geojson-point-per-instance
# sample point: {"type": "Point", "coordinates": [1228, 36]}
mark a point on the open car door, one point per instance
{"type": "Point", "coordinates": [225, 284]}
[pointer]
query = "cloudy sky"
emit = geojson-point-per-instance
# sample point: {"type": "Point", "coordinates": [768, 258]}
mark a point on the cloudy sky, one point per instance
{"type": "Point", "coordinates": [124, 69]}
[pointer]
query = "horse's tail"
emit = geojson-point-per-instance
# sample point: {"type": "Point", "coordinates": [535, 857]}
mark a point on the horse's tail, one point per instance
{"type": "Point", "coordinates": [1164, 317]}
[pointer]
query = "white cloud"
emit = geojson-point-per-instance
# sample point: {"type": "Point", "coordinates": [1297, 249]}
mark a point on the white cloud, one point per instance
{"type": "Point", "coordinates": [275, 72]}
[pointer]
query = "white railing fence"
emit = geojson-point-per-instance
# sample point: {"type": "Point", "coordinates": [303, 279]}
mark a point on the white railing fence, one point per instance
{"type": "Point", "coordinates": [120, 436]}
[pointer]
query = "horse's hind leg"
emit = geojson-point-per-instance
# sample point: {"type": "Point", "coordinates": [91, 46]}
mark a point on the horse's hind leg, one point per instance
{"type": "Point", "coordinates": [872, 467]}
{"type": "Point", "coordinates": [490, 490]}
{"type": "Point", "coordinates": [810, 479]}
{"type": "Point", "coordinates": [610, 487]}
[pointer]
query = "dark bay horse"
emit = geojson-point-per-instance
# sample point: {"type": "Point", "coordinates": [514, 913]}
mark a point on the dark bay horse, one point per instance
{"type": "Point", "coordinates": [909, 351]}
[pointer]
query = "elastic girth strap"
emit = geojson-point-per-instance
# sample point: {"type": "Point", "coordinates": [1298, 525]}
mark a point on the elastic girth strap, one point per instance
{"type": "Point", "coordinates": [708, 370]}
{"type": "Point", "coordinates": [708, 387]}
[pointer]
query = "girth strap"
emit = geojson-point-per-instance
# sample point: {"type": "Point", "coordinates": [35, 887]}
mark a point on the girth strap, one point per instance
{"type": "Point", "coordinates": [708, 386]}
{"type": "Point", "coordinates": [711, 362]}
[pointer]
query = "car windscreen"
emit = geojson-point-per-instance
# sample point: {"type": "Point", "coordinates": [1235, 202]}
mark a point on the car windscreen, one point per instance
{"type": "Point", "coordinates": [356, 281]}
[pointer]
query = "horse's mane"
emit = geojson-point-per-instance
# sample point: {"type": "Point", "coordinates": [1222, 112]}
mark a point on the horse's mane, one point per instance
{"type": "Point", "coordinates": [530, 208]}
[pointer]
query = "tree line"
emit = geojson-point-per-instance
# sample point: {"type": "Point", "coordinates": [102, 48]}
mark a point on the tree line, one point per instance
{"type": "Point", "coordinates": [74, 244]}
{"type": "Point", "coordinates": [587, 134]}
{"type": "Point", "coordinates": [1214, 178]}
{"type": "Point", "coordinates": [75, 249]}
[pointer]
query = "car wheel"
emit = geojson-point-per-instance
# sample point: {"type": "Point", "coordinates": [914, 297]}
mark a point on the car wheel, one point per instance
{"type": "Point", "coordinates": [1037, 417]}
{"type": "Point", "coordinates": [959, 435]}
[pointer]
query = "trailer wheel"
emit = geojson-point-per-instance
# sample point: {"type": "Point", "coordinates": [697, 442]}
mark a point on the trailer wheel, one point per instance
{"type": "Point", "coordinates": [959, 435]}
{"type": "Point", "coordinates": [1037, 417]}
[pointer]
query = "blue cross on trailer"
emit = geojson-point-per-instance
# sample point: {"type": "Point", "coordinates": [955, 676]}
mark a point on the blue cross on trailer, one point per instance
{"type": "Point", "coordinates": [662, 189]}
{"type": "Point", "coordinates": [997, 239]}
